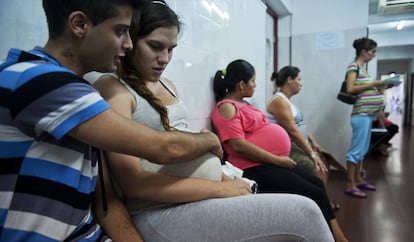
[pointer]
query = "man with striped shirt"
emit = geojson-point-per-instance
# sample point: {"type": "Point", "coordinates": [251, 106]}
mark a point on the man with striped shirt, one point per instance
{"type": "Point", "coordinates": [50, 117]}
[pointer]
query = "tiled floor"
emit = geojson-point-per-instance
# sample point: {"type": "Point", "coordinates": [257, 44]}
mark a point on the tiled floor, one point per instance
{"type": "Point", "coordinates": [387, 215]}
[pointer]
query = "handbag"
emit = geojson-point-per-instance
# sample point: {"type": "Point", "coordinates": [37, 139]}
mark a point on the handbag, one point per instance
{"type": "Point", "coordinates": [344, 96]}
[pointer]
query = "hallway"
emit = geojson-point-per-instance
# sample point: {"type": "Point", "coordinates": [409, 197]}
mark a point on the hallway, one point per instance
{"type": "Point", "coordinates": [387, 215]}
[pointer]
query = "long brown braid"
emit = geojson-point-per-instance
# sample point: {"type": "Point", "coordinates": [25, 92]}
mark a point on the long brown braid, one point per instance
{"type": "Point", "coordinates": [130, 76]}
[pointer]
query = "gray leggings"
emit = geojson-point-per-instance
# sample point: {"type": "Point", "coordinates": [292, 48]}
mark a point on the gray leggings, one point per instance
{"type": "Point", "coordinates": [257, 217]}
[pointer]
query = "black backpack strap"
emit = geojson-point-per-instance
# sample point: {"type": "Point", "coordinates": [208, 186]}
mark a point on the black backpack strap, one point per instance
{"type": "Point", "coordinates": [96, 157]}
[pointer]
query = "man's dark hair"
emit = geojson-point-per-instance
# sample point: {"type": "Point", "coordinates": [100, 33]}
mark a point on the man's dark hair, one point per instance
{"type": "Point", "coordinates": [57, 11]}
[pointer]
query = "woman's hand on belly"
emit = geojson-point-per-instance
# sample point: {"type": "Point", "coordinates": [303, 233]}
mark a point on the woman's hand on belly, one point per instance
{"type": "Point", "coordinates": [234, 187]}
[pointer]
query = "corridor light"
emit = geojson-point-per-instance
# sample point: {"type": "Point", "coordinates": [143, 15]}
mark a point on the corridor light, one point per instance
{"type": "Point", "coordinates": [400, 24]}
{"type": "Point", "coordinates": [206, 5]}
{"type": "Point", "coordinates": [219, 12]}
{"type": "Point", "coordinates": [212, 7]}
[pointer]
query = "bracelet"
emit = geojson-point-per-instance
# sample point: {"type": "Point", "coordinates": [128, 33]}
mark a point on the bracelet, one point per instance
{"type": "Point", "coordinates": [313, 154]}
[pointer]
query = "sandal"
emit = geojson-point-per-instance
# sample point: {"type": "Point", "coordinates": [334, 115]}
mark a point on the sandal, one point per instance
{"type": "Point", "coordinates": [366, 186]}
{"type": "Point", "coordinates": [355, 193]}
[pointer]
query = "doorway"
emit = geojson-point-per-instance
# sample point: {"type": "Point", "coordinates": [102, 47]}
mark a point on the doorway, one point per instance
{"type": "Point", "coordinates": [271, 50]}
{"type": "Point", "coordinates": [399, 100]}
{"type": "Point", "coordinates": [394, 99]}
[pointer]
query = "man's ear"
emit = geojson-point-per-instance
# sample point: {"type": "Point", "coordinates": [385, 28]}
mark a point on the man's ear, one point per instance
{"type": "Point", "coordinates": [78, 23]}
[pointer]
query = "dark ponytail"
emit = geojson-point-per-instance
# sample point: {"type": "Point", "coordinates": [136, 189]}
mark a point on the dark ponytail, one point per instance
{"type": "Point", "coordinates": [225, 80]}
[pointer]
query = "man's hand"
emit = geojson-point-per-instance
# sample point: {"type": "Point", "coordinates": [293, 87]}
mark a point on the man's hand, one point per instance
{"type": "Point", "coordinates": [216, 149]}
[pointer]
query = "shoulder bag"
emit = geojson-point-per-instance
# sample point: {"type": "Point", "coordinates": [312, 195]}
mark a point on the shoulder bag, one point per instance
{"type": "Point", "coordinates": [344, 96]}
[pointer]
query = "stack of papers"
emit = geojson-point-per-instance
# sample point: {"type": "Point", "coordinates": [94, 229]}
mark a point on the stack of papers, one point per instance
{"type": "Point", "coordinates": [394, 80]}
{"type": "Point", "coordinates": [379, 130]}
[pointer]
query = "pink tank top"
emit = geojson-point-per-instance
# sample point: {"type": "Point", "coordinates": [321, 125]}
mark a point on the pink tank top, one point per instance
{"type": "Point", "coordinates": [251, 124]}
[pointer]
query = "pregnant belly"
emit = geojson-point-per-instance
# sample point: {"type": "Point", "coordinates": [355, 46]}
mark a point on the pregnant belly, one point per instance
{"type": "Point", "coordinates": [272, 138]}
{"type": "Point", "coordinates": [207, 167]}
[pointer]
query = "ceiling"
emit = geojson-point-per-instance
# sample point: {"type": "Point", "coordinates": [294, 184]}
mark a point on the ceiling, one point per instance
{"type": "Point", "coordinates": [388, 22]}
{"type": "Point", "coordinates": [377, 22]}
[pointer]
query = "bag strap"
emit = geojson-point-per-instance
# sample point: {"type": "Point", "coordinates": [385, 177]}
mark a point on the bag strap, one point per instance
{"type": "Point", "coordinates": [357, 71]}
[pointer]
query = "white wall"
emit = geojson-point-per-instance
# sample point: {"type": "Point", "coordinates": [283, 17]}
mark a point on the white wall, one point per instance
{"type": "Point", "coordinates": [207, 44]}
{"type": "Point", "coordinates": [20, 30]}
{"type": "Point", "coordinates": [333, 15]}
{"type": "Point", "coordinates": [209, 47]}
{"type": "Point", "coordinates": [385, 39]}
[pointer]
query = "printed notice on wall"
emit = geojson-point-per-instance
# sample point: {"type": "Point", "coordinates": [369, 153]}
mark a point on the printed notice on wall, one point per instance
{"type": "Point", "coordinates": [329, 40]}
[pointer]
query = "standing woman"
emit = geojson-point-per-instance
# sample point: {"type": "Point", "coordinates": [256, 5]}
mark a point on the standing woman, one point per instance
{"type": "Point", "coordinates": [370, 101]}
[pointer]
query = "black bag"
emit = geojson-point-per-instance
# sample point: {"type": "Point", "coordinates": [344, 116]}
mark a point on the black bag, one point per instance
{"type": "Point", "coordinates": [344, 96]}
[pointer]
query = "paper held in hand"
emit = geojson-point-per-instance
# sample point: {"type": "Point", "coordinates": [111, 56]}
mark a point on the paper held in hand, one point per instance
{"type": "Point", "coordinates": [394, 80]}
{"type": "Point", "coordinates": [379, 130]}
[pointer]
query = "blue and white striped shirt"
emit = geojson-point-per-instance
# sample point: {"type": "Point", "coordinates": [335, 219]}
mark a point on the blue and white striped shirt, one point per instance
{"type": "Point", "coordinates": [46, 177]}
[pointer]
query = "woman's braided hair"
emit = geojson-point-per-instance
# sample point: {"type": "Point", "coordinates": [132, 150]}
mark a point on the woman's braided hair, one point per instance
{"type": "Point", "coordinates": [154, 16]}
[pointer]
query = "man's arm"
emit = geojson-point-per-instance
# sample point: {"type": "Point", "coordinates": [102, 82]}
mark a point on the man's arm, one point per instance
{"type": "Point", "coordinates": [113, 132]}
{"type": "Point", "coordinates": [116, 221]}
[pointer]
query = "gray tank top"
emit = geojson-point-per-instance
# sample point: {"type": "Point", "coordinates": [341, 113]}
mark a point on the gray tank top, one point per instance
{"type": "Point", "coordinates": [207, 166]}
{"type": "Point", "coordinates": [177, 112]}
